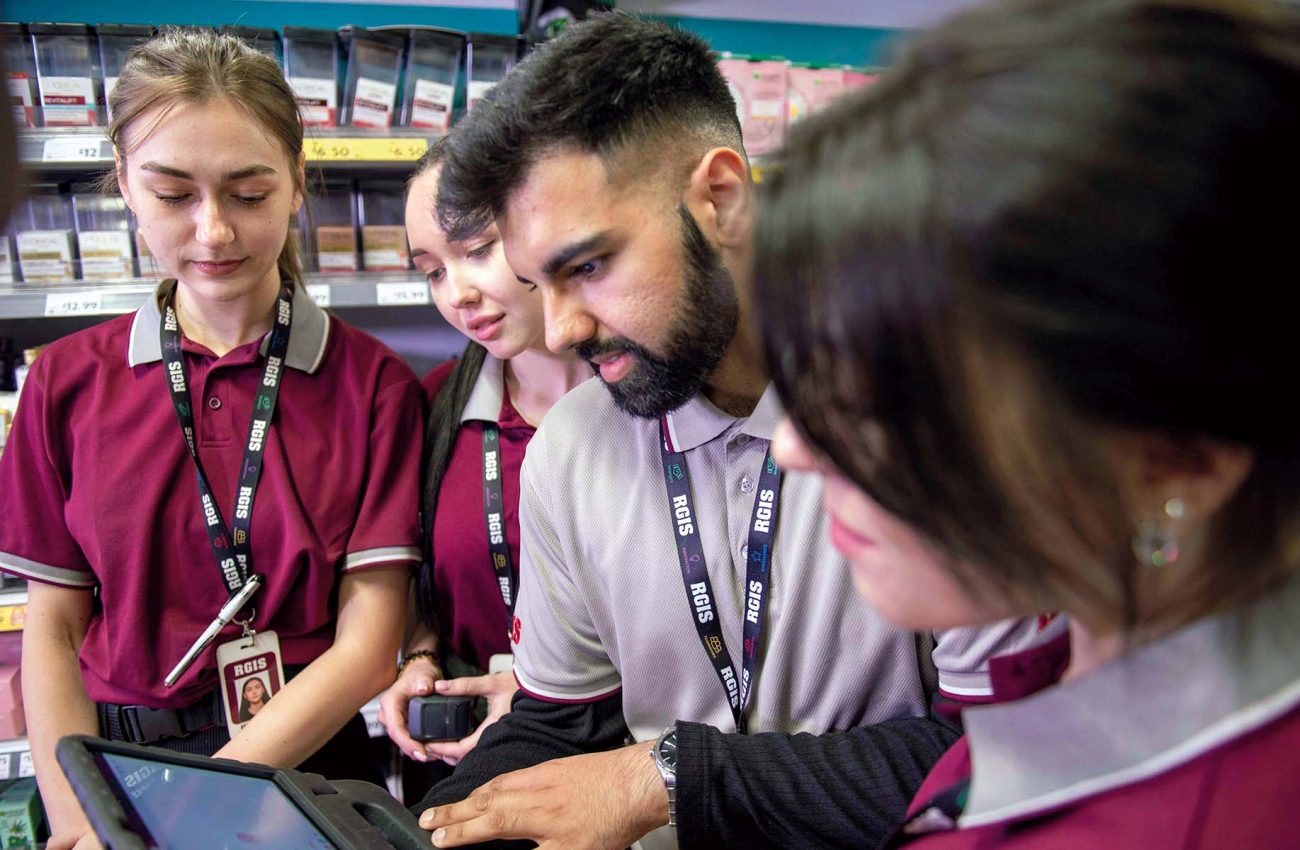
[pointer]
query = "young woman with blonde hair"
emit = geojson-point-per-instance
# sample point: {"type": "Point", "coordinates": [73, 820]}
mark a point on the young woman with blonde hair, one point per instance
{"type": "Point", "coordinates": [229, 451]}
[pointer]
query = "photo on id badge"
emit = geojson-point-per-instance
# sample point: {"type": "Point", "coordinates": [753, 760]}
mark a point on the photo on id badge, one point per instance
{"type": "Point", "coordinates": [251, 673]}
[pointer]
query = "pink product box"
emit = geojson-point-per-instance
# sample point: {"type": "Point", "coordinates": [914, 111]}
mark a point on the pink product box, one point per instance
{"type": "Point", "coordinates": [11, 689]}
{"type": "Point", "coordinates": [12, 723]}
{"type": "Point", "coordinates": [11, 647]}
{"type": "Point", "coordinates": [857, 79]}
{"type": "Point", "coordinates": [759, 89]}
{"type": "Point", "coordinates": [811, 89]}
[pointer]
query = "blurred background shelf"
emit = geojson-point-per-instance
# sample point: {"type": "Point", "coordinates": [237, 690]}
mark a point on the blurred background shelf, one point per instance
{"type": "Point", "coordinates": [89, 298]}
{"type": "Point", "coordinates": [78, 150]}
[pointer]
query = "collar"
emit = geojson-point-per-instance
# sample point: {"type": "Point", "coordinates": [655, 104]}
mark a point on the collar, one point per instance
{"type": "Point", "coordinates": [484, 402]}
{"type": "Point", "coordinates": [308, 337]}
{"type": "Point", "coordinates": [1159, 706]}
{"type": "Point", "coordinates": [699, 421]}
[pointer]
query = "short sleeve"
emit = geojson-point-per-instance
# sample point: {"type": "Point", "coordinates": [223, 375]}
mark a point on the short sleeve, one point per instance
{"type": "Point", "coordinates": [387, 528]}
{"type": "Point", "coordinates": [962, 656]}
{"type": "Point", "coordinates": [559, 656]}
{"type": "Point", "coordinates": [35, 483]}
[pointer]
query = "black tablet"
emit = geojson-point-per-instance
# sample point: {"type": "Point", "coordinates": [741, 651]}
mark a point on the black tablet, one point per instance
{"type": "Point", "coordinates": [138, 798]}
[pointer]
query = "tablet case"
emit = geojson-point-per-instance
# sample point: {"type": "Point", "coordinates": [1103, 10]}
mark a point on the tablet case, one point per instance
{"type": "Point", "coordinates": [352, 814]}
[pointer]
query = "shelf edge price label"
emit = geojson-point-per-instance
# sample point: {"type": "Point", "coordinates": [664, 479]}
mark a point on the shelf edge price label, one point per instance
{"type": "Point", "coordinates": [74, 149]}
{"type": "Point", "coordinates": [74, 303]}
{"type": "Point", "coordinates": [401, 294]}
{"type": "Point", "coordinates": [378, 149]}
{"type": "Point", "coordinates": [25, 765]}
{"type": "Point", "coordinates": [320, 293]}
{"type": "Point", "coordinates": [13, 617]}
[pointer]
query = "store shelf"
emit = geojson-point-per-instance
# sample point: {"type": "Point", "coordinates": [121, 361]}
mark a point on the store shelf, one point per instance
{"type": "Point", "coordinates": [82, 298]}
{"type": "Point", "coordinates": [16, 759]}
{"type": "Point", "coordinates": [88, 148]}
{"type": "Point", "coordinates": [13, 609]}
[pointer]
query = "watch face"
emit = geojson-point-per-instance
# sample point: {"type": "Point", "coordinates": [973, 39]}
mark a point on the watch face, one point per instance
{"type": "Point", "coordinates": [668, 752]}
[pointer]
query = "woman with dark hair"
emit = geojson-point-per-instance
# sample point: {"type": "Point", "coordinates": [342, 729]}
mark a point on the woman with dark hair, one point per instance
{"type": "Point", "coordinates": [484, 409]}
{"type": "Point", "coordinates": [252, 698]}
{"type": "Point", "coordinates": [1022, 302]}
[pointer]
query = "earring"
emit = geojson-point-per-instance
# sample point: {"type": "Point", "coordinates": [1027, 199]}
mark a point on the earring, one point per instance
{"type": "Point", "coordinates": [1157, 543]}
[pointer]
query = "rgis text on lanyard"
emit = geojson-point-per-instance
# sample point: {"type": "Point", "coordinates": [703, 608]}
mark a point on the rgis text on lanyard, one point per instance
{"type": "Point", "coordinates": [695, 573]}
{"type": "Point", "coordinates": [494, 515]}
{"type": "Point", "coordinates": [230, 544]}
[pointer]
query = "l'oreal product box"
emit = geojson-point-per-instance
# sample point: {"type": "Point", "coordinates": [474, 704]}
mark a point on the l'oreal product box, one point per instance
{"type": "Point", "coordinates": [115, 42]}
{"type": "Point", "coordinates": [489, 57]}
{"type": "Point", "coordinates": [758, 85]}
{"type": "Point", "coordinates": [103, 235]}
{"type": "Point", "coordinates": [68, 73]}
{"type": "Point", "coordinates": [311, 62]}
{"type": "Point", "coordinates": [44, 236]}
{"type": "Point", "coordinates": [332, 210]}
{"type": "Point", "coordinates": [374, 70]}
{"type": "Point", "coordinates": [383, 234]}
{"type": "Point", "coordinates": [20, 73]}
{"type": "Point", "coordinates": [433, 63]}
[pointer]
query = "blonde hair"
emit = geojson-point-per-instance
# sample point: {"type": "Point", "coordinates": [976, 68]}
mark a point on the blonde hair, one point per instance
{"type": "Point", "coordinates": [193, 66]}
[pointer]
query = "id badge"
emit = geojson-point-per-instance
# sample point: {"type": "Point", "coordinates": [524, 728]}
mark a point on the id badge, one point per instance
{"type": "Point", "coordinates": [251, 673]}
{"type": "Point", "coordinates": [502, 662]}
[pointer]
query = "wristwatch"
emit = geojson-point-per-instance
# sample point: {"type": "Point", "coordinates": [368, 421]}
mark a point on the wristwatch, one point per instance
{"type": "Point", "coordinates": [664, 753]}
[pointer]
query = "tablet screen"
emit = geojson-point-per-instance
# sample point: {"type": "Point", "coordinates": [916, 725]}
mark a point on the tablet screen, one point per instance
{"type": "Point", "coordinates": [174, 807]}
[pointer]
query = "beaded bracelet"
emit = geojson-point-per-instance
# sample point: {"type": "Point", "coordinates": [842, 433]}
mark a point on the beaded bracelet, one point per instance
{"type": "Point", "coordinates": [419, 653]}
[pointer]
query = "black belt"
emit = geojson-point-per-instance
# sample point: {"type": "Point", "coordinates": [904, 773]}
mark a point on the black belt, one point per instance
{"type": "Point", "coordinates": [141, 724]}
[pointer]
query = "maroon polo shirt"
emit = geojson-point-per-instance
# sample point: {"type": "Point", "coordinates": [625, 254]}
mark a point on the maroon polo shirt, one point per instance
{"type": "Point", "coordinates": [97, 489]}
{"type": "Point", "coordinates": [1186, 743]}
{"type": "Point", "coordinates": [472, 617]}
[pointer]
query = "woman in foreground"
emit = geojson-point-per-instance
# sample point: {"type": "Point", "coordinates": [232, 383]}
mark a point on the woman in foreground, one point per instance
{"type": "Point", "coordinates": [1029, 310]}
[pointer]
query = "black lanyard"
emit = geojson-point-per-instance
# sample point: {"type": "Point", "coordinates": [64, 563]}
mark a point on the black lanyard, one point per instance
{"type": "Point", "coordinates": [231, 549]}
{"type": "Point", "coordinates": [494, 514]}
{"type": "Point", "coordinates": [695, 573]}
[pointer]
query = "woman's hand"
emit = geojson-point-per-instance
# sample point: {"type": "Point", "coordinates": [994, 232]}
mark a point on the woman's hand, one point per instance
{"type": "Point", "coordinates": [81, 838]}
{"type": "Point", "coordinates": [499, 688]}
{"type": "Point", "coordinates": [416, 680]}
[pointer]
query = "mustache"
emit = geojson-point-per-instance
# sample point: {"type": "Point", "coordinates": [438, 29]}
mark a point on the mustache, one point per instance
{"type": "Point", "coordinates": [593, 348]}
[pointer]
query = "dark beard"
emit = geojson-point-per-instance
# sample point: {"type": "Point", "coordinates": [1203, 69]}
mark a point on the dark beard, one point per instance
{"type": "Point", "coordinates": [704, 325]}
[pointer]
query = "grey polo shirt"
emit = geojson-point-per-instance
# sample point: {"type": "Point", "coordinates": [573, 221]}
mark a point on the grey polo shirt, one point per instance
{"type": "Point", "coordinates": [602, 606]}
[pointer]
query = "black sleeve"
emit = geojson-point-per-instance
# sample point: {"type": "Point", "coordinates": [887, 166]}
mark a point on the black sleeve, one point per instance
{"type": "Point", "coordinates": [533, 732]}
{"type": "Point", "coordinates": [841, 789]}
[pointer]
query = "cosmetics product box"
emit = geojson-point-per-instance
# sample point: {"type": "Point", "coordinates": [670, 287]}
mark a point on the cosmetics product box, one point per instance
{"type": "Point", "coordinates": [67, 70]}
{"type": "Point", "coordinates": [383, 234]}
{"type": "Point", "coordinates": [374, 70]}
{"type": "Point", "coordinates": [311, 60]}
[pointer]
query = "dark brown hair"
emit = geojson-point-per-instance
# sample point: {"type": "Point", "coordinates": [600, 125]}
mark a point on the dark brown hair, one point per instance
{"type": "Point", "coordinates": [1046, 223]}
{"type": "Point", "coordinates": [441, 430]}
{"type": "Point", "coordinates": [633, 91]}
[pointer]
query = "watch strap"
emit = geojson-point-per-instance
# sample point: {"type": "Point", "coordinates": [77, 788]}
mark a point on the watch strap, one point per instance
{"type": "Point", "coordinates": [664, 753]}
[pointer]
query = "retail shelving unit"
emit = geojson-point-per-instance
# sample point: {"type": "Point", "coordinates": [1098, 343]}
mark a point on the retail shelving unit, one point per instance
{"type": "Point", "coordinates": [90, 298]}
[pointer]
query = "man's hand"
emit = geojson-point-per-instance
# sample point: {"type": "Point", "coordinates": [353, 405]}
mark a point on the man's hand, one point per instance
{"type": "Point", "coordinates": [416, 681]}
{"type": "Point", "coordinates": [499, 688]}
{"type": "Point", "coordinates": [597, 801]}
